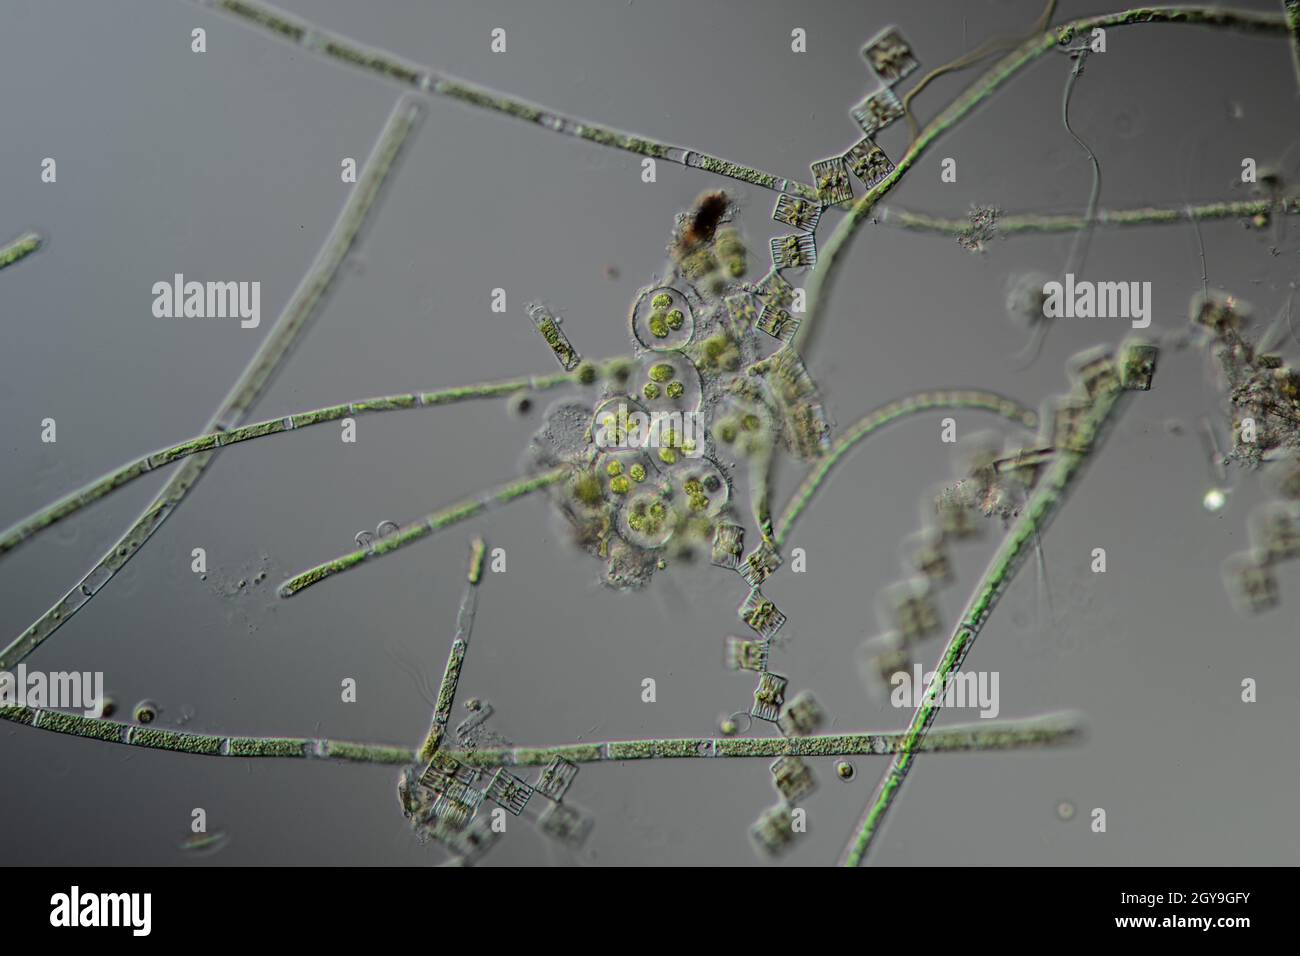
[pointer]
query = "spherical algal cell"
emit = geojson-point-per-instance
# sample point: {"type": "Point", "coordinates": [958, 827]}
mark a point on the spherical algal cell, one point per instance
{"type": "Point", "coordinates": [650, 390]}
{"type": "Point", "coordinates": [1214, 500]}
{"type": "Point", "coordinates": [675, 319]}
{"type": "Point", "coordinates": [637, 472]}
{"type": "Point", "coordinates": [661, 372]}
{"type": "Point", "coordinates": [1065, 810]}
{"type": "Point", "coordinates": [728, 727]}
{"type": "Point", "coordinates": [658, 326]}
{"type": "Point", "coordinates": [845, 770]}
{"type": "Point", "coordinates": [661, 302]}
{"type": "Point", "coordinates": [145, 712]}
{"type": "Point", "coordinates": [675, 390]}
{"type": "Point", "coordinates": [614, 468]}
{"type": "Point", "coordinates": [587, 373]}
{"type": "Point", "coordinates": [620, 485]}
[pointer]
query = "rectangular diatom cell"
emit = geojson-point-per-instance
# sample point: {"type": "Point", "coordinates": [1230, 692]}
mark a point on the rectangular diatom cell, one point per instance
{"type": "Point", "coordinates": [565, 823]}
{"type": "Point", "coordinates": [878, 110]}
{"type": "Point", "coordinates": [743, 312]}
{"type": "Point", "coordinates": [1025, 465]}
{"type": "Point", "coordinates": [1138, 365]}
{"type": "Point", "coordinates": [444, 772]}
{"type": "Point", "coordinates": [556, 778]}
{"type": "Point", "coordinates": [792, 778]}
{"type": "Point", "coordinates": [890, 56]}
{"type": "Point", "coordinates": [1094, 372]}
{"type": "Point", "coordinates": [549, 326]}
{"type": "Point", "coordinates": [746, 655]}
{"type": "Point", "coordinates": [473, 841]}
{"type": "Point", "coordinates": [800, 213]}
{"type": "Point", "coordinates": [808, 430]}
{"type": "Point", "coordinates": [453, 813]}
{"type": "Point", "coordinates": [1275, 530]}
{"type": "Point", "coordinates": [802, 716]}
{"type": "Point", "coordinates": [890, 662]}
{"type": "Point", "coordinates": [761, 614]}
{"type": "Point", "coordinates": [773, 289]}
{"type": "Point", "coordinates": [759, 565]}
{"type": "Point", "coordinates": [509, 791]}
{"type": "Point", "coordinates": [1251, 583]}
{"type": "Point", "coordinates": [912, 610]}
{"type": "Point", "coordinates": [924, 553]}
{"type": "Point", "coordinates": [773, 832]}
{"type": "Point", "coordinates": [777, 323]}
{"type": "Point", "coordinates": [769, 695]}
{"type": "Point", "coordinates": [1066, 417]}
{"type": "Point", "coordinates": [728, 544]}
{"type": "Point", "coordinates": [868, 162]}
{"type": "Point", "coordinates": [794, 251]}
{"type": "Point", "coordinates": [831, 179]}
{"type": "Point", "coordinates": [955, 517]}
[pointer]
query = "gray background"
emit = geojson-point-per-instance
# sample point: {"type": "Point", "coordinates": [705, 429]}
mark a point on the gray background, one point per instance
{"type": "Point", "coordinates": [226, 166]}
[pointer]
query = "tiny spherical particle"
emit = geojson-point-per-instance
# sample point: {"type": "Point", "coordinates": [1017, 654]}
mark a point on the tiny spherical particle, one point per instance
{"type": "Point", "coordinates": [845, 770]}
{"type": "Point", "coordinates": [1214, 500]}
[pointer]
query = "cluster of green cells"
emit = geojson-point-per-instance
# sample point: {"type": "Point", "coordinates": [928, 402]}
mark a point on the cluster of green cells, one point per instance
{"type": "Point", "coordinates": [654, 441]}
{"type": "Point", "coordinates": [661, 380]}
{"type": "Point", "coordinates": [665, 319]}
